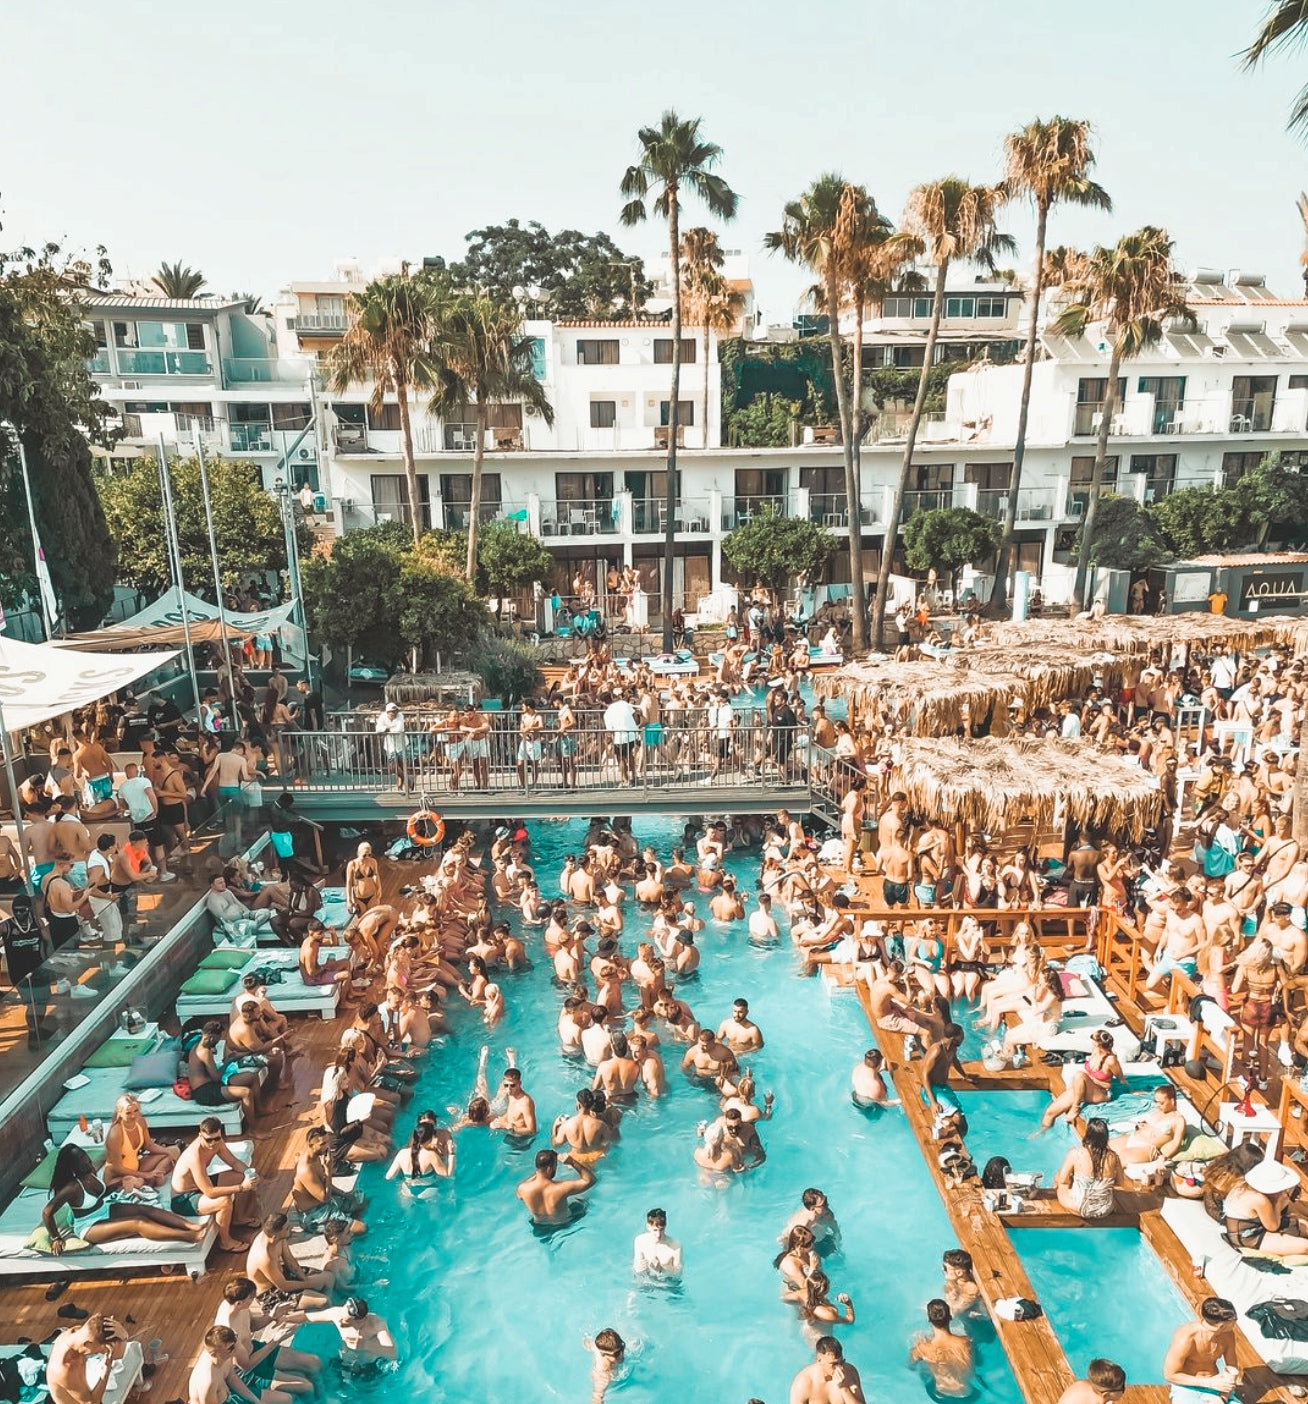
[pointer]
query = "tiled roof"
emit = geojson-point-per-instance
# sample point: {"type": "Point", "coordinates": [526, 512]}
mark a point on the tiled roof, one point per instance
{"type": "Point", "coordinates": [96, 299]}
{"type": "Point", "coordinates": [1269, 558]}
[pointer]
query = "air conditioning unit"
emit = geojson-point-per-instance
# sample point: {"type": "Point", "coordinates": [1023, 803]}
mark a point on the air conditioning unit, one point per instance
{"type": "Point", "coordinates": [133, 385]}
{"type": "Point", "coordinates": [306, 453]}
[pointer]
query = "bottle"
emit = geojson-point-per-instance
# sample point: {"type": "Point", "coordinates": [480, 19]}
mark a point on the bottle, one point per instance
{"type": "Point", "coordinates": [82, 1124]}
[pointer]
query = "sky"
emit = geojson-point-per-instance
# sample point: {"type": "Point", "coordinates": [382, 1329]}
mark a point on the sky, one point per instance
{"type": "Point", "coordinates": [263, 140]}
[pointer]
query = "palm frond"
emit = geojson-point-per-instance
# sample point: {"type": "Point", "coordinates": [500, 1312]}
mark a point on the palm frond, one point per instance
{"type": "Point", "coordinates": [1284, 26]}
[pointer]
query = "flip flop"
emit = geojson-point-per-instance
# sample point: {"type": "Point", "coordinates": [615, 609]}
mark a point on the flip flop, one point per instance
{"type": "Point", "coordinates": [70, 1311]}
{"type": "Point", "coordinates": [57, 1288]}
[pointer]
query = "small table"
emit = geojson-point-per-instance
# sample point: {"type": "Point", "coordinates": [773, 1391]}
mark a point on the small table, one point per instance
{"type": "Point", "coordinates": [1167, 1029]}
{"type": "Point", "coordinates": [1241, 1127]}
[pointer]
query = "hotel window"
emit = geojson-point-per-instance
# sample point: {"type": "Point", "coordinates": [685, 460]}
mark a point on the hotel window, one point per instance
{"type": "Point", "coordinates": [603, 414]}
{"type": "Point", "coordinates": [1236, 465]}
{"type": "Point", "coordinates": [922, 306]}
{"type": "Point", "coordinates": [960, 307]}
{"type": "Point", "coordinates": [685, 412]}
{"type": "Point", "coordinates": [597, 353]}
{"type": "Point", "coordinates": [390, 498]}
{"type": "Point", "coordinates": [663, 350]}
{"type": "Point", "coordinates": [387, 417]}
{"type": "Point", "coordinates": [291, 416]}
{"type": "Point", "coordinates": [1159, 470]}
{"type": "Point", "coordinates": [991, 306]}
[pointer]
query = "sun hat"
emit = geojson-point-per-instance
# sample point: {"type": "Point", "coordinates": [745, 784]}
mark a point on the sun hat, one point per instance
{"type": "Point", "coordinates": [1271, 1177]}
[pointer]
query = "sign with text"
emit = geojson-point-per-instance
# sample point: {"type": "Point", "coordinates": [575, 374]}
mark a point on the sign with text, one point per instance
{"type": "Point", "coordinates": [1281, 588]}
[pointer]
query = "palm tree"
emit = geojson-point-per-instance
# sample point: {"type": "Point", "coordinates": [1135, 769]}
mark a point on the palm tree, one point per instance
{"type": "Point", "coordinates": [1064, 267]}
{"type": "Point", "coordinates": [673, 159]}
{"type": "Point", "coordinates": [1048, 164]}
{"type": "Point", "coordinates": [956, 223]}
{"type": "Point", "coordinates": [1285, 26]}
{"type": "Point", "coordinates": [480, 358]}
{"type": "Point", "coordinates": [1130, 289]}
{"type": "Point", "coordinates": [1302, 203]}
{"type": "Point", "coordinates": [177, 280]}
{"type": "Point", "coordinates": [392, 323]}
{"type": "Point", "coordinates": [812, 234]}
{"type": "Point", "coordinates": [713, 302]}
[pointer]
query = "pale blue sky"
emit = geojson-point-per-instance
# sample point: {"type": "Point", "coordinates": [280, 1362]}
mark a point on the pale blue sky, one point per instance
{"type": "Point", "coordinates": [262, 141]}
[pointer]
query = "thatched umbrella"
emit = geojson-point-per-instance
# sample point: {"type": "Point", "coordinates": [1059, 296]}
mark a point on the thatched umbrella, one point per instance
{"type": "Point", "coordinates": [1138, 633]}
{"type": "Point", "coordinates": [926, 696]}
{"type": "Point", "coordinates": [993, 784]}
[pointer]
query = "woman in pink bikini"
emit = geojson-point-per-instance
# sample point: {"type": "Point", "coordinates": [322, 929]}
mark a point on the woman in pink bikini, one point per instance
{"type": "Point", "coordinates": [1087, 1085]}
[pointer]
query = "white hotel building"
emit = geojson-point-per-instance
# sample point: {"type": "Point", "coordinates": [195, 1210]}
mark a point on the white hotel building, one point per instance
{"type": "Point", "coordinates": [1200, 408]}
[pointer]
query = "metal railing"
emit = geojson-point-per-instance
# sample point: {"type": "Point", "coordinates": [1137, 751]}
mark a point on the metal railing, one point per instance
{"type": "Point", "coordinates": [434, 756]}
{"type": "Point", "coordinates": [740, 511]}
{"type": "Point", "coordinates": [137, 362]}
{"type": "Point", "coordinates": [594, 517]}
{"type": "Point", "coordinates": [649, 515]}
{"type": "Point", "coordinates": [1033, 504]}
{"type": "Point", "coordinates": [264, 370]}
{"type": "Point", "coordinates": [1252, 415]}
{"type": "Point", "coordinates": [250, 438]}
{"type": "Point", "coordinates": [320, 322]}
{"type": "Point", "coordinates": [830, 509]}
{"type": "Point", "coordinates": [458, 513]}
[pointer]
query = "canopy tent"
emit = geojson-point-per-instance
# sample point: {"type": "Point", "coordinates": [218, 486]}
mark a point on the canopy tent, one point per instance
{"type": "Point", "coordinates": [38, 682]}
{"type": "Point", "coordinates": [161, 622]}
{"type": "Point", "coordinates": [1138, 633]}
{"type": "Point", "coordinates": [992, 784]}
{"type": "Point", "coordinates": [926, 697]}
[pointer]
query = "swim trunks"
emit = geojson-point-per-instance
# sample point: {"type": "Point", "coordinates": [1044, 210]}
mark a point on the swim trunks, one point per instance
{"type": "Point", "coordinates": [896, 893]}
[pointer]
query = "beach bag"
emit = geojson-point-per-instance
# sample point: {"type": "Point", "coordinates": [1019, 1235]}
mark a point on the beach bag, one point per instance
{"type": "Point", "coordinates": [282, 842]}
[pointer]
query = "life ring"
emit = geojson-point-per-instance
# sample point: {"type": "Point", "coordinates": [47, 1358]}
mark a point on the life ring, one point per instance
{"type": "Point", "coordinates": [425, 828]}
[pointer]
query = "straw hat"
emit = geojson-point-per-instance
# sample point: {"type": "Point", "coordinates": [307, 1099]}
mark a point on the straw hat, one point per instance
{"type": "Point", "coordinates": [1271, 1177]}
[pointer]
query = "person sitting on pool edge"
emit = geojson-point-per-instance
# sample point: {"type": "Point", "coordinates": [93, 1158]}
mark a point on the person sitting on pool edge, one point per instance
{"type": "Point", "coordinates": [1257, 1213]}
{"type": "Point", "coordinates": [1200, 1361]}
{"type": "Point", "coordinates": [547, 1198]}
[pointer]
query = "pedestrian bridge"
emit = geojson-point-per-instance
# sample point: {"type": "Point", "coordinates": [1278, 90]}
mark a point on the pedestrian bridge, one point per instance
{"type": "Point", "coordinates": [352, 774]}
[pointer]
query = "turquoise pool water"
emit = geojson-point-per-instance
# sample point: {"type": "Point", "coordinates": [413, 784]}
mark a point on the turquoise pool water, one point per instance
{"type": "Point", "coordinates": [484, 1308]}
{"type": "Point", "coordinates": [1105, 1293]}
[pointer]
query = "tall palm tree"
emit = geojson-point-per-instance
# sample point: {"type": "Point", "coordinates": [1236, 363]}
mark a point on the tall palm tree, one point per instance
{"type": "Point", "coordinates": [813, 235]}
{"type": "Point", "coordinates": [177, 280]}
{"type": "Point", "coordinates": [674, 159]}
{"type": "Point", "coordinates": [1285, 26]}
{"type": "Point", "coordinates": [480, 359]}
{"type": "Point", "coordinates": [1048, 164]}
{"type": "Point", "coordinates": [1132, 290]}
{"type": "Point", "coordinates": [392, 323]}
{"type": "Point", "coordinates": [712, 301]}
{"type": "Point", "coordinates": [956, 223]}
{"type": "Point", "coordinates": [1064, 266]}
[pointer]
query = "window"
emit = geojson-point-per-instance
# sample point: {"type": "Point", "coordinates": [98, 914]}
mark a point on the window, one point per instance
{"type": "Point", "coordinates": [989, 477]}
{"type": "Point", "coordinates": [922, 306]}
{"type": "Point", "coordinates": [390, 497]}
{"type": "Point", "coordinates": [1083, 467]}
{"type": "Point", "coordinates": [538, 357]}
{"type": "Point", "coordinates": [933, 477]}
{"type": "Point", "coordinates": [1295, 382]}
{"type": "Point", "coordinates": [460, 438]}
{"type": "Point", "coordinates": [583, 487]}
{"type": "Point", "coordinates": [125, 334]}
{"type": "Point", "coordinates": [248, 414]}
{"type": "Point", "coordinates": [1236, 465]}
{"type": "Point", "coordinates": [1159, 470]}
{"type": "Point", "coordinates": [603, 414]}
{"type": "Point", "coordinates": [903, 357]}
{"type": "Point", "coordinates": [597, 353]}
{"type": "Point", "coordinates": [456, 495]}
{"type": "Point", "coordinates": [1090, 394]}
{"type": "Point", "coordinates": [387, 417]}
{"type": "Point", "coordinates": [1253, 397]}
{"type": "Point", "coordinates": [101, 339]}
{"type": "Point", "coordinates": [992, 306]}
{"type": "Point", "coordinates": [896, 306]}
{"type": "Point", "coordinates": [663, 350]}
{"type": "Point", "coordinates": [685, 412]}
{"type": "Point", "coordinates": [293, 417]}
{"type": "Point", "coordinates": [760, 482]}
{"type": "Point", "coordinates": [960, 307]}
{"type": "Point", "coordinates": [1293, 460]}
{"type": "Point", "coordinates": [1169, 398]}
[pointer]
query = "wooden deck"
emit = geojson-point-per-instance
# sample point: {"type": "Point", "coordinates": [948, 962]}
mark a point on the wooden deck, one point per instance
{"type": "Point", "coordinates": [174, 1309]}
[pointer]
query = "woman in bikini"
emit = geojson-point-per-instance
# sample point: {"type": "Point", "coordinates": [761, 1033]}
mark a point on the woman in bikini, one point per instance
{"type": "Point", "coordinates": [926, 959]}
{"type": "Point", "coordinates": [1088, 1177]}
{"type": "Point", "coordinates": [362, 881]}
{"type": "Point", "coordinates": [1015, 984]}
{"type": "Point", "coordinates": [1256, 1212]}
{"type": "Point", "coordinates": [1019, 883]}
{"type": "Point", "coordinates": [968, 967]}
{"type": "Point", "coordinates": [1256, 973]}
{"type": "Point", "coordinates": [76, 1210]}
{"type": "Point", "coordinates": [1039, 1017]}
{"type": "Point", "coordinates": [132, 1158]}
{"type": "Point", "coordinates": [1088, 1085]}
{"type": "Point", "coordinates": [430, 1156]}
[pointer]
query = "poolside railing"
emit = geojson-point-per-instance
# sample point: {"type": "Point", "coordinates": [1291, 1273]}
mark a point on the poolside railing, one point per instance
{"type": "Point", "coordinates": [434, 757]}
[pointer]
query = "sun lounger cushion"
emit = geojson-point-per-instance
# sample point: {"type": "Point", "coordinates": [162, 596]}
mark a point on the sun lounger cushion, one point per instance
{"type": "Point", "coordinates": [1075, 985]}
{"type": "Point", "coordinates": [157, 1069]}
{"type": "Point", "coordinates": [229, 958]}
{"type": "Point", "coordinates": [40, 1177]}
{"type": "Point", "coordinates": [119, 1052]}
{"type": "Point", "coordinates": [211, 982]}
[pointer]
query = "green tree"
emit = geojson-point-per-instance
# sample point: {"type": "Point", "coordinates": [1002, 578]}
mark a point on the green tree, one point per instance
{"type": "Point", "coordinates": [673, 160]}
{"type": "Point", "coordinates": [1126, 536]}
{"type": "Point", "coordinates": [177, 280]}
{"type": "Point", "coordinates": [947, 539]}
{"type": "Point", "coordinates": [579, 275]}
{"type": "Point", "coordinates": [956, 224]}
{"type": "Point", "coordinates": [1047, 163]}
{"type": "Point", "coordinates": [768, 421]}
{"type": "Point", "coordinates": [1133, 290]}
{"type": "Point", "coordinates": [436, 611]}
{"type": "Point", "coordinates": [247, 523]}
{"type": "Point", "coordinates": [1272, 501]}
{"type": "Point", "coordinates": [510, 560]}
{"type": "Point", "coordinates": [777, 549]}
{"type": "Point", "coordinates": [1284, 26]}
{"type": "Point", "coordinates": [509, 670]}
{"type": "Point", "coordinates": [48, 396]}
{"type": "Point", "coordinates": [392, 324]}
{"type": "Point", "coordinates": [1197, 520]}
{"type": "Point", "coordinates": [481, 359]}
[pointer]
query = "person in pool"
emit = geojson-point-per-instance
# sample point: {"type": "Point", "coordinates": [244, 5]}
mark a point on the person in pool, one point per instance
{"type": "Point", "coordinates": [868, 1082]}
{"type": "Point", "coordinates": [1104, 1383]}
{"type": "Point", "coordinates": [608, 1355]}
{"type": "Point", "coordinates": [1091, 1084]}
{"type": "Point", "coordinates": [946, 1356]}
{"type": "Point", "coordinates": [654, 1253]}
{"type": "Point", "coordinates": [586, 1134]}
{"type": "Point", "coordinates": [830, 1379]}
{"type": "Point", "coordinates": [739, 1032]}
{"type": "Point", "coordinates": [961, 1290]}
{"type": "Point", "coordinates": [731, 1145]}
{"type": "Point", "coordinates": [1200, 1362]}
{"type": "Point", "coordinates": [366, 1339]}
{"type": "Point", "coordinates": [939, 1060]}
{"type": "Point", "coordinates": [815, 1215]}
{"type": "Point", "coordinates": [545, 1196]}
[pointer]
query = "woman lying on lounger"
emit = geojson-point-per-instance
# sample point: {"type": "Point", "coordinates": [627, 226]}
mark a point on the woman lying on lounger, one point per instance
{"type": "Point", "coordinates": [77, 1209]}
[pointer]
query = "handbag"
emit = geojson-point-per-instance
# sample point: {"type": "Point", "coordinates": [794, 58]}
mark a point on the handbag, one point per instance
{"type": "Point", "coordinates": [182, 1088]}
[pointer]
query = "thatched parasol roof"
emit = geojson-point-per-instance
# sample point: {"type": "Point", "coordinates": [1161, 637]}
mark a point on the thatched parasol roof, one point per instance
{"type": "Point", "coordinates": [993, 784]}
{"type": "Point", "coordinates": [927, 696]}
{"type": "Point", "coordinates": [1138, 633]}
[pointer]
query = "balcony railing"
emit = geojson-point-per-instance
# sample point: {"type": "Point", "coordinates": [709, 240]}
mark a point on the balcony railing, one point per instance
{"type": "Point", "coordinates": [258, 370]}
{"type": "Point", "coordinates": [598, 517]}
{"type": "Point", "coordinates": [163, 362]}
{"type": "Point", "coordinates": [649, 515]}
{"type": "Point", "coordinates": [1033, 504]}
{"type": "Point", "coordinates": [740, 511]}
{"type": "Point", "coordinates": [457, 514]}
{"type": "Point", "coordinates": [1088, 417]}
{"type": "Point", "coordinates": [926, 500]}
{"type": "Point", "coordinates": [251, 438]}
{"type": "Point", "coordinates": [331, 323]}
{"type": "Point", "coordinates": [829, 509]}
{"type": "Point", "coordinates": [1252, 415]}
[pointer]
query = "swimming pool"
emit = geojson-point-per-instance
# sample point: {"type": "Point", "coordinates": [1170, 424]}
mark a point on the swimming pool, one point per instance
{"type": "Point", "coordinates": [1105, 1293]}
{"type": "Point", "coordinates": [483, 1307]}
